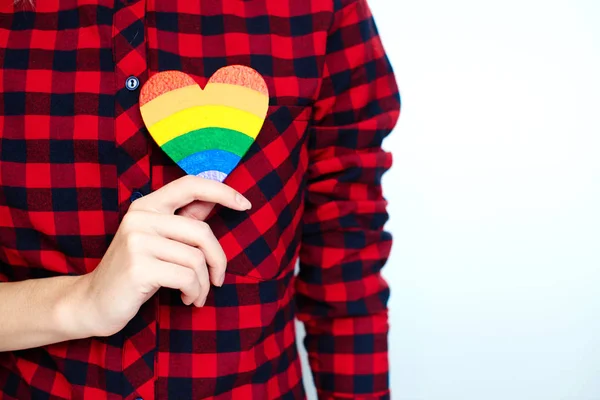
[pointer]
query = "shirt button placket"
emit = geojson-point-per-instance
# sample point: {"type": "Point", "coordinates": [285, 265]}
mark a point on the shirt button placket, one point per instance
{"type": "Point", "coordinates": [133, 161]}
{"type": "Point", "coordinates": [133, 170]}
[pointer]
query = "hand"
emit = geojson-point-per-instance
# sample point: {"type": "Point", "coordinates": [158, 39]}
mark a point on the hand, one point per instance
{"type": "Point", "coordinates": [155, 248]}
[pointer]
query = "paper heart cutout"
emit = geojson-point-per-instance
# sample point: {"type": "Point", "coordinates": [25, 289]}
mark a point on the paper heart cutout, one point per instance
{"type": "Point", "coordinates": [205, 131]}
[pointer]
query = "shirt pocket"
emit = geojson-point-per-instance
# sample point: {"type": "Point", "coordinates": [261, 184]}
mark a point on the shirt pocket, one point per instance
{"type": "Point", "coordinates": [262, 243]}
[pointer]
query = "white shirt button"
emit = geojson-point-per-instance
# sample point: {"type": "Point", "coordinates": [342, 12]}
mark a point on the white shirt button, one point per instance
{"type": "Point", "coordinates": [132, 83]}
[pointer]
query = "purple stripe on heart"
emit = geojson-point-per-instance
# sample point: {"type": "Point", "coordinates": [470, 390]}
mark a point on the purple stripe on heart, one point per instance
{"type": "Point", "coordinates": [213, 175]}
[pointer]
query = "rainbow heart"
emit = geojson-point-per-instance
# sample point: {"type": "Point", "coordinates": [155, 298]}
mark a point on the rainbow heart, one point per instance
{"type": "Point", "coordinates": [206, 132]}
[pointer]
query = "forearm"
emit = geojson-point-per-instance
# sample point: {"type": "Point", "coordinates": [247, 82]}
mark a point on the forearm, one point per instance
{"type": "Point", "coordinates": [39, 312]}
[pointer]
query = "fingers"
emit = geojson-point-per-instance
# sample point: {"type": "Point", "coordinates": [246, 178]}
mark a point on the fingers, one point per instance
{"type": "Point", "coordinates": [166, 274]}
{"type": "Point", "coordinates": [184, 191]}
{"type": "Point", "coordinates": [178, 253]}
{"type": "Point", "coordinates": [203, 278]}
{"type": "Point", "coordinates": [154, 214]}
{"type": "Point", "coordinates": [192, 233]}
{"type": "Point", "coordinates": [197, 210]}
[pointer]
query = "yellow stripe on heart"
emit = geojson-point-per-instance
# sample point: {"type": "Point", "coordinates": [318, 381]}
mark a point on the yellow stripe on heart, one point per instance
{"type": "Point", "coordinates": [222, 94]}
{"type": "Point", "coordinates": [206, 116]}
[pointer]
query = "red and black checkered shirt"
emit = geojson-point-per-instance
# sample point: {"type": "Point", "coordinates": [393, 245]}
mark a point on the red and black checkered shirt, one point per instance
{"type": "Point", "coordinates": [74, 153]}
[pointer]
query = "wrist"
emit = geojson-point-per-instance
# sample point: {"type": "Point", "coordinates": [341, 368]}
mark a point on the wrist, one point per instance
{"type": "Point", "coordinates": [73, 310]}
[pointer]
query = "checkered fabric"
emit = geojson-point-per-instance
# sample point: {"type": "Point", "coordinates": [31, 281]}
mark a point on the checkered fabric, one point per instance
{"type": "Point", "coordinates": [74, 154]}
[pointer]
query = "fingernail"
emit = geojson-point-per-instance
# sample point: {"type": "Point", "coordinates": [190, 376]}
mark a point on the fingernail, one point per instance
{"type": "Point", "coordinates": [222, 280]}
{"type": "Point", "coordinates": [242, 201]}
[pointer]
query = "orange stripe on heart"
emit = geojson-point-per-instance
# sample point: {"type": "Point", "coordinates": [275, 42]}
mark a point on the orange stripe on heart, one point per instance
{"type": "Point", "coordinates": [205, 131]}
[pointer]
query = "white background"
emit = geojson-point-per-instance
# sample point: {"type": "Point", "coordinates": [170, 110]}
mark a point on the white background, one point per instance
{"type": "Point", "coordinates": [494, 199]}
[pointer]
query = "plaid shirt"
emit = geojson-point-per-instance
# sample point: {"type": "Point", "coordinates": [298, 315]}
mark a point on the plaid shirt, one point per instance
{"type": "Point", "coordinates": [74, 154]}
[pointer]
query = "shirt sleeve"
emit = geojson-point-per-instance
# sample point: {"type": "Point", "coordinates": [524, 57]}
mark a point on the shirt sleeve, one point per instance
{"type": "Point", "coordinates": [341, 296]}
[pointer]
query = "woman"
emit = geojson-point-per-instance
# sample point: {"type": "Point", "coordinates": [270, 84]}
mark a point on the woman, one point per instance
{"type": "Point", "coordinates": [120, 277]}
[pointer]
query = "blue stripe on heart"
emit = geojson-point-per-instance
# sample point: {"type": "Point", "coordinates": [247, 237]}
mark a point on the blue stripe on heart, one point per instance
{"type": "Point", "coordinates": [215, 160]}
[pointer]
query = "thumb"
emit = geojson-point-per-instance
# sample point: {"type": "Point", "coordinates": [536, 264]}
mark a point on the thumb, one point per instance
{"type": "Point", "coordinates": [198, 210]}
